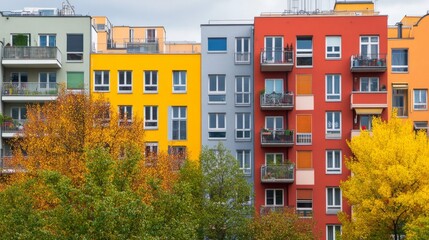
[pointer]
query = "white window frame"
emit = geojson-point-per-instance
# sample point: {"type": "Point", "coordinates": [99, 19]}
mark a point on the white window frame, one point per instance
{"type": "Point", "coordinates": [179, 118]}
{"type": "Point", "coordinates": [331, 130]}
{"type": "Point", "coordinates": [370, 54]}
{"type": "Point", "coordinates": [126, 109]}
{"type": "Point", "coordinates": [20, 78]}
{"type": "Point", "coordinates": [25, 34]}
{"type": "Point", "coordinates": [48, 37]}
{"type": "Point", "coordinates": [152, 149]}
{"type": "Point", "coordinates": [400, 68]}
{"type": "Point", "coordinates": [275, 192]}
{"type": "Point", "coordinates": [276, 82]}
{"type": "Point", "coordinates": [245, 130]}
{"type": "Point", "coordinates": [370, 81]}
{"type": "Point", "coordinates": [336, 205]}
{"type": "Point", "coordinates": [333, 42]}
{"type": "Point", "coordinates": [217, 92]}
{"type": "Point", "coordinates": [422, 99]}
{"type": "Point", "coordinates": [242, 81]}
{"type": "Point", "coordinates": [151, 119]}
{"type": "Point", "coordinates": [245, 164]}
{"type": "Point", "coordinates": [274, 122]}
{"type": "Point", "coordinates": [241, 56]}
{"type": "Point", "coordinates": [179, 86]}
{"type": "Point", "coordinates": [22, 114]}
{"type": "Point", "coordinates": [304, 52]}
{"type": "Point", "coordinates": [334, 228]}
{"type": "Point", "coordinates": [49, 84]}
{"type": "Point", "coordinates": [150, 81]}
{"type": "Point", "coordinates": [274, 53]}
{"type": "Point", "coordinates": [217, 129]}
{"type": "Point", "coordinates": [104, 85]}
{"type": "Point", "coordinates": [331, 159]}
{"type": "Point", "coordinates": [333, 96]}
{"type": "Point", "coordinates": [275, 155]}
{"type": "Point", "coordinates": [127, 84]}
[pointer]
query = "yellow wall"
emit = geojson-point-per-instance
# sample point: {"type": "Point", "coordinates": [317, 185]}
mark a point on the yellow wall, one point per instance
{"type": "Point", "coordinates": [354, 6]}
{"type": "Point", "coordinates": [417, 76]}
{"type": "Point", "coordinates": [164, 64]}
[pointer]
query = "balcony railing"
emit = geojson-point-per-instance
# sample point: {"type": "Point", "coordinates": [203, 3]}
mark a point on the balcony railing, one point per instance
{"type": "Point", "coordinates": [279, 173]}
{"type": "Point", "coordinates": [368, 63]}
{"type": "Point", "coordinates": [38, 56]}
{"type": "Point", "coordinates": [29, 89]}
{"type": "Point", "coordinates": [276, 61]}
{"type": "Point", "coordinates": [277, 138]}
{"type": "Point", "coordinates": [242, 57]}
{"type": "Point", "coordinates": [303, 138]}
{"type": "Point", "coordinates": [266, 209]}
{"type": "Point", "coordinates": [277, 101]}
{"type": "Point", "coordinates": [14, 126]}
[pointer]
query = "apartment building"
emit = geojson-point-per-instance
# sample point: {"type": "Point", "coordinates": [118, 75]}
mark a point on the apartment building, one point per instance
{"type": "Point", "coordinates": [319, 78]}
{"type": "Point", "coordinates": [42, 50]}
{"type": "Point", "coordinates": [408, 81]}
{"type": "Point", "coordinates": [227, 90]}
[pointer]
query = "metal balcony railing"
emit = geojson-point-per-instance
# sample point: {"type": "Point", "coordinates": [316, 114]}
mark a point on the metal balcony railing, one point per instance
{"type": "Point", "coordinates": [29, 89]}
{"type": "Point", "coordinates": [277, 137]}
{"type": "Point", "coordinates": [303, 138]}
{"type": "Point", "coordinates": [13, 126]}
{"type": "Point", "coordinates": [368, 63]}
{"type": "Point", "coordinates": [277, 100]}
{"type": "Point", "coordinates": [280, 173]}
{"type": "Point", "coordinates": [276, 57]}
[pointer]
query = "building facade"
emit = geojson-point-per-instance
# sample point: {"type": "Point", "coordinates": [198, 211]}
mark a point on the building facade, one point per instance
{"type": "Point", "coordinates": [318, 79]}
{"type": "Point", "coordinates": [227, 90]}
{"type": "Point", "coordinates": [42, 50]}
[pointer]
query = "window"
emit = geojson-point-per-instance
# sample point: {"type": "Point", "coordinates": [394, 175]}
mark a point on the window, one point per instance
{"type": "Point", "coordinates": [304, 202]}
{"type": "Point", "coordinates": [273, 158]}
{"type": "Point", "coordinates": [303, 129]}
{"type": "Point", "coordinates": [131, 33]}
{"type": "Point", "coordinates": [365, 121]}
{"type": "Point", "coordinates": [179, 81]}
{"type": "Point", "coordinates": [217, 125]}
{"type": "Point", "coordinates": [304, 51]}
{"type": "Point", "coordinates": [369, 84]}
{"type": "Point", "coordinates": [399, 100]}
{"type": "Point", "coordinates": [242, 126]}
{"type": "Point", "coordinates": [273, 86]}
{"type": "Point", "coordinates": [150, 117]}
{"type": "Point", "coordinates": [179, 123]}
{"type": "Point", "coordinates": [333, 87]}
{"type": "Point", "coordinates": [47, 40]}
{"type": "Point", "coordinates": [19, 78]}
{"type": "Point", "coordinates": [125, 81]}
{"type": "Point", "coordinates": [151, 35]}
{"type": "Point", "coordinates": [74, 47]}
{"type": "Point", "coordinates": [274, 123]}
{"type": "Point", "coordinates": [125, 114]}
{"type": "Point", "coordinates": [333, 199]}
{"type": "Point", "coordinates": [217, 44]}
{"type": "Point", "coordinates": [332, 232]}
{"type": "Point", "coordinates": [178, 151]}
{"type": "Point", "coordinates": [304, 160]}
{"type": "Point", "coordinates": [217, 93]}
{"type": "Point", "coordinates": [21, 40]}
{"type": "Point", "coordinates": [75, 80]}
{"type": "Point", "coordinates": [274, 197]}
{"type": "Point", "coordinates": [273, 50]}
{"type": "Point", "coordinates": [333, 47]}
{"type": "Point", "coordinates": [333, 124]}
{"type": "Point", "coordinates": [242, 90]}
{"type": "Point", "coordinates": [420, 99]}
{"type": "Point", "coordinates": [369, 47]}
{"type": "Point", "coordinates": [48, 80]}
{"type": "Point", "coordinates": [101, 81]}
{"type": "Point", "coordinates": [399, 60]}
{"type": "Point", "coordinates": [151, 153]}
{"type": "Point", "coordinates": [333, 161]}
{"type": "Point", "coordinates": [243, 157]}
{"type": "Point", "coordinates": [150, 81]}
{"type": "Point", "coordinates": [242, 50]}
{"type": "Point", "coordinates": [19, 114]}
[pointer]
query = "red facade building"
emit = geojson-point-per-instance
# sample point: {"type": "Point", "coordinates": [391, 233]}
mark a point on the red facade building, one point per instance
{"type": "Point", "coordinates": [318, 79]}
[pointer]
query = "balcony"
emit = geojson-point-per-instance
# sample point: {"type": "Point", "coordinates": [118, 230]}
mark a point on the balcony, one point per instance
{"type": "Point", "coordinates": [31, 57]}
{"type": "Point", "coordinates": [277, 101]}
{"type": "Point", "coordinates": [360, 63]}
{"type": "Point", "coordinates": [266, 209]}
{"type": "Point", "coordinates": [276, 61]}
{"type": "Point", "coordinates": [242, 57]}
{"type": "Point", "coordinates": [136, 45]}
{"type": "Point", "coordinates": [369, 100]}
{"type": "Point", "coordinates": [280, 173]}
{"type": "Point", "coordinates": [276, 138]}
{"type": "Point", "coordinates": [10, 129]}
{"type": "Point", "coordinates": [29, 91]}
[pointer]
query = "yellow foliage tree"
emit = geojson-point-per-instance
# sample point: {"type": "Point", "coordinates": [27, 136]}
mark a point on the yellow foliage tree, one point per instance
{"type": "Point", "coordinates": [389, 186]}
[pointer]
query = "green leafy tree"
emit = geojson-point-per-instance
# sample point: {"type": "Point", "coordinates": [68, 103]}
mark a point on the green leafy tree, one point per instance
{"type": "Point", "coordinates": [226, 194]}
{"type": "Point", "coordinates": [389, 185]}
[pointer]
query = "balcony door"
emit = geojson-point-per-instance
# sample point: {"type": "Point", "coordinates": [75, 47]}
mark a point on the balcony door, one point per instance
{"type": "Point", "coordinates": [273, 49]}
{"type": "Point", "coordinates": [19, 78]}
{"type": "Point", "coordinates": [274, 123]}
{"type": "Point", "coordinates": [273, 158]}
{"type": "Point", "coordinates": [369, 47]}
{"type": "Point", "coordinates": [273, 86]}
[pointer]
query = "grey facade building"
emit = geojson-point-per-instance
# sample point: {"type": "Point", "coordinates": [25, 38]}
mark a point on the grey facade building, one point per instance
{"type": "Point", "coordinates": [227, 90]}
{"type": "Point", "coordinates": [42, 50]}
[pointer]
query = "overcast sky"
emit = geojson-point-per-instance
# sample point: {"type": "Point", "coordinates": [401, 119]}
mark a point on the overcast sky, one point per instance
{"type": "Point", "coordinates": [182, 18]}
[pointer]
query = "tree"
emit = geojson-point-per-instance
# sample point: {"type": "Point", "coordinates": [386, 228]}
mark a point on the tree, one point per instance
{"type": "Point", "coordinates": [282, 225]}
{"type": "Point", "coordinates": [225, 210]}
{"type": "Point", "coordinates": [389, 186]}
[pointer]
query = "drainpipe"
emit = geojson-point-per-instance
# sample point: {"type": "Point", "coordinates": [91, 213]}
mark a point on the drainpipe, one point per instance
{"type": "Point", "coordinates": [399, 24]}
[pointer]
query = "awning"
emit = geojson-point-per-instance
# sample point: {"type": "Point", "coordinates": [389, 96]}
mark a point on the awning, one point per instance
{"type": "Point", "coordinates": [400, 85]}
{"type": "Point", "coordinates": [421, 125]}
{"type": "Point", "coordinates": [368, 111]}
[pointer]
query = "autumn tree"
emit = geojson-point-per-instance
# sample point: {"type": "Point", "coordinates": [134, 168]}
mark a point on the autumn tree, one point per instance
{"type": "Point", "coordinates": [389, 185]}
{"type": "Point", "coordinates": [281, 225]}
{"type": "Point", "coordinates": [226, 194]}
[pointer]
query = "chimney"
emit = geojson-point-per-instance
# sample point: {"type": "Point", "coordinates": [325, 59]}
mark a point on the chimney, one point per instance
{"type": "Point", "coordinates": [399, 29]}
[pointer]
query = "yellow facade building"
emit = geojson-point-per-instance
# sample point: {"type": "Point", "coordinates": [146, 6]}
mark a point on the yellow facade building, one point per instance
{"type": "Point", "coordinates": [407, 69]}
{"type": "Point", "coordinates": [163, 89]}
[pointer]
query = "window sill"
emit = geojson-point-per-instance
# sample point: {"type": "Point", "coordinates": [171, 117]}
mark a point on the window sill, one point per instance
{"type": "Point", "coordinates": [125, 92]}
{"type": "Point", "coordinates": [147, 92]}
{"type": "Point", "coordinates": [217, 103]}
{"type": "Point", "coordinates": [243, 139]}
{"type": "Point", "coordinates": [98, 91]}
{"type": "Point", "coordinates": [242, 104]}
{"type": "Point", "coordinates": [150, 128]}
{"type": "Point", "coordinates": [217, 52]}
{"type": "Point", "coordinates": [332, 58]}
{"type": "Point", "coordinates": [333, 173]}
{"type": "Point", "coordinates": [176, 92]}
